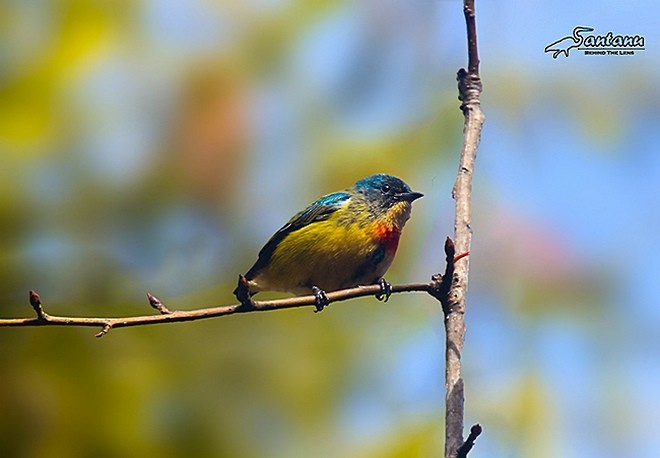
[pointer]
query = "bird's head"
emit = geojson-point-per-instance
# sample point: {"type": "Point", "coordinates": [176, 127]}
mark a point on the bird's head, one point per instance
{"type": "Point", "coordinates": [387, 194]}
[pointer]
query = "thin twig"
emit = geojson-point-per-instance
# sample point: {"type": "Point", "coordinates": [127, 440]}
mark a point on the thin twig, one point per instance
{"type": "Point", "coordinates": [168, 316]}
{"type": "Point", "coordinates": [438, 288]}
{"type": "Point", "coordinates": [35, 302]}
{"type": "Point", "coordinates": [471, 23]}
{"type": "Point", "coordinates": [464, 449]}
{"type": "Point", "coordinates": [157, 304]}
{"type": "Point", "coordinates": [469, 86]}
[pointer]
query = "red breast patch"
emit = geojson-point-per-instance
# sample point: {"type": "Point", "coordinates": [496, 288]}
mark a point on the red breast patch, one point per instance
{"type": "Point", "coordinates": [388, 235]}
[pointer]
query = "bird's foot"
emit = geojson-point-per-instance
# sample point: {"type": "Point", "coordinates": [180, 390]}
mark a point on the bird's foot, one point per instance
{"type": "Point", "coordinates": [321, 299]}
{"type": "Point", "coordinates": [385, 290]}
{"type": "Point", "coordinates": [242, 292]}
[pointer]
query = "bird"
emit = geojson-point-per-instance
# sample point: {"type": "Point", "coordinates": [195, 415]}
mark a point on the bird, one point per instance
{"type": "Point", "coordinates": [342, 240]}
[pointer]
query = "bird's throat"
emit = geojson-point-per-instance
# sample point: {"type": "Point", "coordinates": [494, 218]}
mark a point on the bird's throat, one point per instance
{"type": "Point", "coordinates": [388, 229]}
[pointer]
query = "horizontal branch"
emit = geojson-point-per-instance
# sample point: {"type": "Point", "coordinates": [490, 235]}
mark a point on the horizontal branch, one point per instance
{"type": "Point", "coordinates": [172, 316]}
{"type": "Point", "coordinates": [438, 287]}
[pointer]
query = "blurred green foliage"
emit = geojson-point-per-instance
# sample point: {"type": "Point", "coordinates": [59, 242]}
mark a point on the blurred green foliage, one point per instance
{"type": "Point", "coordinates": [126, 166]}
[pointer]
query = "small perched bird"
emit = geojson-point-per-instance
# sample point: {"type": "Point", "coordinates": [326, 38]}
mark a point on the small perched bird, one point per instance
{"type": "Point", "coordinates": [344, 239]}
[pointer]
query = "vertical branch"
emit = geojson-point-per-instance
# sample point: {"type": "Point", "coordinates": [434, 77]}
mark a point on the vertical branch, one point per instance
{"type": "Point", "coordinates": [471, 23]}
{"type": "Point", "coordinates": [469, 85]}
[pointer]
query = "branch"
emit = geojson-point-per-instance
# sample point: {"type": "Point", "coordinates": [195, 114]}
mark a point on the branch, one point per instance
{"type": "Point", "coordinates": [438, 287]}
{"type": "Point", "coordinates": [469, 86]}
{"type": "Point", "coordinates": [173, 316]}
{"type": "Point", "coordinates": [464, 449]}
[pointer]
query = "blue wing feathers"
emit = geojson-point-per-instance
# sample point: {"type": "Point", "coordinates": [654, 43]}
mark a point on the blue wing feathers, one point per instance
{"type": "Point", "coordinates": [332, 199]}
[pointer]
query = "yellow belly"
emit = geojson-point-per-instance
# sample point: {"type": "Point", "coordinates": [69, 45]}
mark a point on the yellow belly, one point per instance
{"type": "Point", "coordinates": [323, 254]}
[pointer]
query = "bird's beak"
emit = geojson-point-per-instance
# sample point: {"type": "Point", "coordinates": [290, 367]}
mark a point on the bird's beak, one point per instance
{"type": "Point", "coordinates": [409, 196]}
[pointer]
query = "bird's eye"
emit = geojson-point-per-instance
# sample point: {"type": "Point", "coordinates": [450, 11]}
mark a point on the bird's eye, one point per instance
{"type": "Point", "coordinates": [385, 188]}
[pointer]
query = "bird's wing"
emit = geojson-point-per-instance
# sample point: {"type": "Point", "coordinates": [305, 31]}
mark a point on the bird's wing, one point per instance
{"type": "Point", "coordinates": [317, 211]}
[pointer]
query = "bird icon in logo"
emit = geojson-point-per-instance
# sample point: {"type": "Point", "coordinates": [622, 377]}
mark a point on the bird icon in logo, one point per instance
{"type": "Point", "coordinates": [565, 44]}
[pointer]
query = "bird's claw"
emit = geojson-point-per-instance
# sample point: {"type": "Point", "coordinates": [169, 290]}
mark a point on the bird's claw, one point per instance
{"type": "Point", "coordinates": [385, 290]}
{"type": "Point", "coordinates": [321, 299]}
{"type": "Point", "coordinates": [242, 292]}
